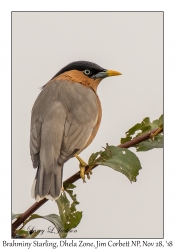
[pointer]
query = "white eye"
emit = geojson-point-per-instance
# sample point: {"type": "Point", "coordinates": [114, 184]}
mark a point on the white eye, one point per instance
{"type": "Point", "coordinates": [87, 72]}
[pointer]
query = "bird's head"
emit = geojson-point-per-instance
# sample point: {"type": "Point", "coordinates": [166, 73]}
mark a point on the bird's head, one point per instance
{"type": "Point", "coordinates": [85, 72]}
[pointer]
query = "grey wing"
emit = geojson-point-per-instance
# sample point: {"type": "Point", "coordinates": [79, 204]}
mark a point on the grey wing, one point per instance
{"type": "Point", "coordinates": [46, 108]}
{"type": "Point", "coordinates": [47, 128]}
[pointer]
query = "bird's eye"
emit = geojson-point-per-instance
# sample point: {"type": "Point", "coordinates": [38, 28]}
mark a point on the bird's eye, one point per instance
{"type": "Point", "coordinates": [87, 72]}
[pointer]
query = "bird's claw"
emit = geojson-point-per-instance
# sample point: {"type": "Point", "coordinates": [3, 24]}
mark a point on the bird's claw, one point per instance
{"type": "Point", "coordinates": [88, 172]}
{"type": "Point", "coordinates": [88, 175]}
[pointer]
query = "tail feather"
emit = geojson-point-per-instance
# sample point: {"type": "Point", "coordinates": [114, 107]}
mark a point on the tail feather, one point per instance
{"type": "Point", "coordinates": [47, 185]}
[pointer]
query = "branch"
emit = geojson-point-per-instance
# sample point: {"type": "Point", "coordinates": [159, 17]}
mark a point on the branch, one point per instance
{"type": "Point", "coordinates": [76, 177]}
{"type": "Point", "coordinates": [139, 139]}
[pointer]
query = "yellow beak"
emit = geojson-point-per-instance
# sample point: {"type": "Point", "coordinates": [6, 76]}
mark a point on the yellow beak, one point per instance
{"type": "Point", "coordinates": [106, 73]}
{"type": "Point", "coordinates": [113, 73]}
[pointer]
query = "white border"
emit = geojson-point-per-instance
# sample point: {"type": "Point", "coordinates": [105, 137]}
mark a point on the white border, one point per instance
{"type": "Point", "coordinates": [5, 91]}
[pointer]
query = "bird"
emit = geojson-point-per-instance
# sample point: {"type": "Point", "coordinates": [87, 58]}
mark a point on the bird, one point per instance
{"type": "Point", "coordinates": [65, 119]}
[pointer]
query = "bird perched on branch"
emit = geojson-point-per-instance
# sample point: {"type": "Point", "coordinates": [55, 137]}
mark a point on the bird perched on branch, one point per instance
{"type": "Point", "coordinates": [65, 119]}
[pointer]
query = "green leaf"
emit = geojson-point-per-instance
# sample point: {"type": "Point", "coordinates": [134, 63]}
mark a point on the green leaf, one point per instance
{"type": "Point", "coordinates": [93, 158]}
{"type": "Point", "coordinates": [32, 217]}
{"type": "Point", "coordinates": [69, 217]}
{"type": "Point", "coordinates": [160, 122]}
{"type": "Point", "coordinates": [15, 216]}
{"type": "Point", "coordinates": [126, 139]}
{"type": "Point", "coordinates": [136, 127]}
{"type": "Point", "coordinates": [69, 186]}
{"type": "Point", "coordinates": [149, 144]}
{"type": "Point", "coordinates": [53, 218]}
{"type": "Point", "coordinates": [119, 159]}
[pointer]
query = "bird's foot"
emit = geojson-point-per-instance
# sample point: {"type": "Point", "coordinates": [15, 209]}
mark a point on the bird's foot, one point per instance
{"type": "Point", "coordinates": [83, 166]}
{"type": "Point", "coordinates": [84, 172]}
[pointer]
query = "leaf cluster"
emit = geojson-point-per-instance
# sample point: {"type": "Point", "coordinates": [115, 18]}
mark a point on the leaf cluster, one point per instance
{"type": "Point", "coordinates": [142, 128]}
